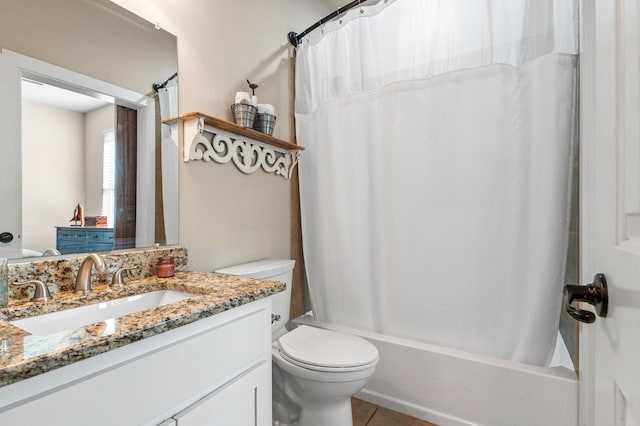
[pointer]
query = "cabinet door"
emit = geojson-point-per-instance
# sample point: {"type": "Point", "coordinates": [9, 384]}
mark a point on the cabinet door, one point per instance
{"type": "Point", "coordinates": [244, 401]}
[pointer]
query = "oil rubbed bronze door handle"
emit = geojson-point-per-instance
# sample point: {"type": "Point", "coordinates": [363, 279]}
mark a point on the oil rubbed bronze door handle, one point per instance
{"type": "Point", "coordinates": [595, 294]}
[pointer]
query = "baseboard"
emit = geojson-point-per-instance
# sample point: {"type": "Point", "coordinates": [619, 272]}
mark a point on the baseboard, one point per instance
{"type": "Point", "coordinates": [405, 407]}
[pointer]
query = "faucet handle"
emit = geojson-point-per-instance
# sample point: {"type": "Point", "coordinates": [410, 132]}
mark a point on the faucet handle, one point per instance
{"type": "Point", "coordinates": [41, 293]}
{"type": "Point", "coordinates": [118, 276]}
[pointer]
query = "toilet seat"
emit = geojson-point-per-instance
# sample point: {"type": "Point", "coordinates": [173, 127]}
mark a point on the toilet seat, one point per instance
{"type": "Point", "coordinates": [325, 350]}
{"type": "Point", "coordinates": [324, 369]}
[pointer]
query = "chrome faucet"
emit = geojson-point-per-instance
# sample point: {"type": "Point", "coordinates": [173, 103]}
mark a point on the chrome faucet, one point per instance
{"type": "Point", "coordinates": [83, 279]}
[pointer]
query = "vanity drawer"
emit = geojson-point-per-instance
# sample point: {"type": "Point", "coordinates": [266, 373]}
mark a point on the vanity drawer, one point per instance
{"type": "Point", "coordinates": [105, 236]}
{"type": "Point", "coordinates": [85, 239]}
{"type": "Point", "coordinates": [70, 244]}
{"type": "Point", "coordinates": [71, 248]}
{"type": "Point", "coordinates": [72, 234]}
{"type": "Point", "coordinates": [99, 247]}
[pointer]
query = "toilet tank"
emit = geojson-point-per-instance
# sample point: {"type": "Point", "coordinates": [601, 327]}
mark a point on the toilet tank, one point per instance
{"type": "Point", "coordinates": [273, 270]}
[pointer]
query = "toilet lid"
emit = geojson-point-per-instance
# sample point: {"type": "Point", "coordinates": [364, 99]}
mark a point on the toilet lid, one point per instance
{"type": "Point", "coordinates": [325, 348]}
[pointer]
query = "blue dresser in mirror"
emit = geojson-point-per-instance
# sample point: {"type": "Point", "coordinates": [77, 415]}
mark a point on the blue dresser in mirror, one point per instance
{"type": "Point", "coordinates": [83, 239]}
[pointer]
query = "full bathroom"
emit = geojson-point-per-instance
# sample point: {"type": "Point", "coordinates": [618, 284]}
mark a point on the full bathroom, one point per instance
{"type": "Point", "coordinates": [418, 237]}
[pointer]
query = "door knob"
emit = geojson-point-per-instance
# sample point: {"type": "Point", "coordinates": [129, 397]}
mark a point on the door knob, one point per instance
{"type": "Point", "coordinates": [6, 237]}
{"type": "Point", "coordinates": [595, 294]}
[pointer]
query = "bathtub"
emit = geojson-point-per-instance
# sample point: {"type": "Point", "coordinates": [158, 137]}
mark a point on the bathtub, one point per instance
{"type": "Point", "coordinates": [454, 388]}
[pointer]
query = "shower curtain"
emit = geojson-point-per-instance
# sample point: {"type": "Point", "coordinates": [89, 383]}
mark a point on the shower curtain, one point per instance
{"type": "Point", "coordinates": [435, 180]}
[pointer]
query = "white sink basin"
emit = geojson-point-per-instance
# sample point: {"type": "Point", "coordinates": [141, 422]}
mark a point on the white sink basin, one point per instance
{"type": "Point", "coordinates": [71, 319]}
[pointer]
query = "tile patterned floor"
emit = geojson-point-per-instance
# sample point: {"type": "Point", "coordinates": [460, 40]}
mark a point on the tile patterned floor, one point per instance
{"type": "Point", "coordinates": [366, 414]}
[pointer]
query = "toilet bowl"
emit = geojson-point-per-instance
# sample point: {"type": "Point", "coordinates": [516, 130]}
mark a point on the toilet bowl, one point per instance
{"type": "Point", "coordinates": [315, 371]}
{"type": "Point", "coordinates": [322, 370]}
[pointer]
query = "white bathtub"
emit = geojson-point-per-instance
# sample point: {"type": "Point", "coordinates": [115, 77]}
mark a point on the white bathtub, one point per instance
{"type": "Point", "coordinates": [449, 387]}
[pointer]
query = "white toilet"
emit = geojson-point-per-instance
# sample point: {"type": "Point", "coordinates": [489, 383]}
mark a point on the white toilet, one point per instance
{"type": "Point", "coordinates": [315, 371]}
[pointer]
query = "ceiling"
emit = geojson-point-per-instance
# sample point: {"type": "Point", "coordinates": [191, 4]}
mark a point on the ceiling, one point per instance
{"type": "Point", "coordinates": [36, 91]}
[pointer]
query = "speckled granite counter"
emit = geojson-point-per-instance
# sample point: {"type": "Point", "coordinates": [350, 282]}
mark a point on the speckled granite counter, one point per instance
{"type": "Point", "coordinates": [23, 355]}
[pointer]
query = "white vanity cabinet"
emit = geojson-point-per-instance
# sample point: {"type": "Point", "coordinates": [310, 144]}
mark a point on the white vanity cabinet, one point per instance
{"type": "Point", "coordinates": [236, 403]}
{"type": "Point", "coordinates": [214, 371]}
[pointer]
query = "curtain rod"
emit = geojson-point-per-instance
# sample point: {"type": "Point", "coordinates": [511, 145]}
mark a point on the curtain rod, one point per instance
{"type": "Point", "coordinates": [158, 86]}
{"type": "Point", "coordinates": [295, 38]}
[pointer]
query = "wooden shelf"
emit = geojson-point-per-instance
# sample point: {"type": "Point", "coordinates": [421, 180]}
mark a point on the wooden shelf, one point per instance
{"type": "Point", "coordinates": [210, 138]}
{"type": "Point", "coordinates": [228, 126]}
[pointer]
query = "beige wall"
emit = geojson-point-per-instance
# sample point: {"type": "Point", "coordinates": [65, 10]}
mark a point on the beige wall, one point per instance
{"type": "Point", "coordinates": [228, 217]}
{"type": "Point", "coordinates": [96, 122]}
{"type": "Point", "coordinates": [54, 183]}
{"type": "Point", "coordinates": [225, 216]}
{"type": "Point", "coordinates": [65, 33]}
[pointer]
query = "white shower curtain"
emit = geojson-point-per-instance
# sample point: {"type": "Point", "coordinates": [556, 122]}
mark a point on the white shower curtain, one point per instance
{"type": "Point", "coordinates": [435, 181]}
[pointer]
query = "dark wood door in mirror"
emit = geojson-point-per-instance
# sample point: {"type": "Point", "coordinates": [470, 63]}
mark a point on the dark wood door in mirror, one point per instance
{"type": "Point", "coordinates": [125, 167]}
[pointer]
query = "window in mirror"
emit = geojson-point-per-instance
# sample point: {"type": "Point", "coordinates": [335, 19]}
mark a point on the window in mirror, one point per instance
{"type": "Point", "coordinates": [109, 176]}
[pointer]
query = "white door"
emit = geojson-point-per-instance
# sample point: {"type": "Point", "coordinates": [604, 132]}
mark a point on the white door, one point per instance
{"type": "Point", "coordinates": [610, 221]}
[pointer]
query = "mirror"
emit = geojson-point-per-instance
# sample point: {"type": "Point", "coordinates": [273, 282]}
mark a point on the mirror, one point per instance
{"type": "Point", "coordinates": [95, 48]}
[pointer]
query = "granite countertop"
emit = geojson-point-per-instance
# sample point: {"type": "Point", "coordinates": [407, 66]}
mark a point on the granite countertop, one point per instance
{"type": "Point", "coordinates": [23, 355]}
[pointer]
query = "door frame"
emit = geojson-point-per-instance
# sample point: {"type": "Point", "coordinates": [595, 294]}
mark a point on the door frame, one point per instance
{"type": "Point", "coordinates": [587, 138]}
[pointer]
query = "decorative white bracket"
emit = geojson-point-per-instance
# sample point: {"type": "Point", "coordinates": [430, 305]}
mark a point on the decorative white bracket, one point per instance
{"type": "Point", "coordinates": [208, 138]}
